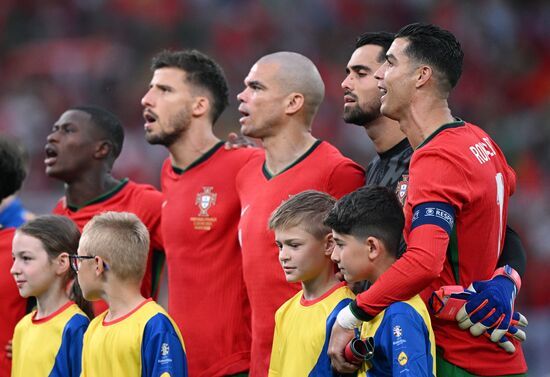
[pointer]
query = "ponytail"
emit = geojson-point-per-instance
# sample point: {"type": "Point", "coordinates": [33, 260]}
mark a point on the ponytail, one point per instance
{"type": "Point", "coordinates": [77, 296]}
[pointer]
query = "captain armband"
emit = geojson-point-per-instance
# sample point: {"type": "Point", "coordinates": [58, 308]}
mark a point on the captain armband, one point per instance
{"type": "Point", "coordinates": [434, 213]}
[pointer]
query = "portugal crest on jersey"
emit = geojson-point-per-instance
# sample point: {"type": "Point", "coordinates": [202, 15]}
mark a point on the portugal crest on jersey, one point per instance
{"type": "Point", "coordinates": [401, 189]}
{"type": "Point", "coordinates": [205, 200]}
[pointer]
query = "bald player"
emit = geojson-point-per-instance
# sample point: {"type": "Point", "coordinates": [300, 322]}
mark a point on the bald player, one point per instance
{"type": "Point", "coordinates": [282, 94]}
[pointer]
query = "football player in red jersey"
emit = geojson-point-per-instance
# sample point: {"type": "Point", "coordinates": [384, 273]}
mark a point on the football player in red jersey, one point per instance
{"type": "Point", "coordinates": [282, 94]}
{"type": "Point", "coordinates": [80, 151]}
{"type": "Point", "coordinates": [186, 95]}
{"type": "Point", "coordinates": [455, 210]}
{"type": "Point", "coordinates": [12, 171]}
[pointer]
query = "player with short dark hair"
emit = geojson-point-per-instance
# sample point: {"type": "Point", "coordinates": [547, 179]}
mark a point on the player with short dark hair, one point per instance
{"type": "Point", "coordinates": [390, 167]}
{"type": "Point", "coordinates": [80, 151]}
{"type": "Point", "coordinates": [362, 107]}
{"type": "Point", "coordinates": [282, 94]}
{"type": "Point", "coordinates": [201, 212]}
{"type": "Point", "coordinates": [458, 172]}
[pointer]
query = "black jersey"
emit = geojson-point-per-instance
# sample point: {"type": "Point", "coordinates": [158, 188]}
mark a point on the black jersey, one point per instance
{"type": "Point", "coordinates": [391, 167]}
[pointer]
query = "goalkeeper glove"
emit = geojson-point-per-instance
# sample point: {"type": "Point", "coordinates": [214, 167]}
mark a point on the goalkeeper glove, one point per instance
{"type": "Point", "coordinates": [491, 304]}
{"type": "Point", "coordinates": [447, 300]}
{"type": "Point", "coordinates": [513, 332]}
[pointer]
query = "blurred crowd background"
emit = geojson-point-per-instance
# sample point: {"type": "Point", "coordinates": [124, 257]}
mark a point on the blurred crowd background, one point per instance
{"type": "Point", "coordinates": [59, 53]}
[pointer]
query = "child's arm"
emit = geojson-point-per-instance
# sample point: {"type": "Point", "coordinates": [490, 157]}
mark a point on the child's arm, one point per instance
{"type": "Point", "coordinates": [406, 342]}
{"type": "Point", "coordinates": [162, 349]}
{"type": "Point", "coordinates": [76, 339]}
{"type": "Point", "coordinates": [68, 361]}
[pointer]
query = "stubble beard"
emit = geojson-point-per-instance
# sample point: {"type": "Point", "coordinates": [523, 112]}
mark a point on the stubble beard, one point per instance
{"type": "Point", "coordinates": [177, 125]}
{"type": "Point", "coordinates": [362, 116]}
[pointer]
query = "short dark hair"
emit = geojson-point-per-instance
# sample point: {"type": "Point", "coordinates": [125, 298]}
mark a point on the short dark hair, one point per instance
{"type": "Point", "coordinates": [202, 71]}
{"type": "Point", "coordinates": [369, 211]}
{"type": "Point", "coordinates": [383, 39]}
{"type": "Point", "coordinates": [108, 123]}
{"type": "Point", "coordinates": [307, 210]}
{"type": "Point", "coordinates": [12, 168]}
{"type": "Point", "coordinates": [437, 47]}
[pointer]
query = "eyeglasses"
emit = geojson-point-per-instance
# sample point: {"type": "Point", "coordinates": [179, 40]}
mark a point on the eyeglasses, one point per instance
{"type": "Point", "coordinates": [75, 264]}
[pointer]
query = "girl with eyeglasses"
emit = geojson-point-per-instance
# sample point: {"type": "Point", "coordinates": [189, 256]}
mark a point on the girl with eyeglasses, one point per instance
{"type": "Point", "coordinates": [48, 341]}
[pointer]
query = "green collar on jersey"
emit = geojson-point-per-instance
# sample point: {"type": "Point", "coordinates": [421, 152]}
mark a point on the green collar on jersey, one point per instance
{"type": "Point", "coordinates": [199, 160]}
{"type": "Point", "coordinates": [267, 173]}
{"type": "Point", "coordinates": [109, 194]}
{"type": "Point", "coordinates": [457, 123]}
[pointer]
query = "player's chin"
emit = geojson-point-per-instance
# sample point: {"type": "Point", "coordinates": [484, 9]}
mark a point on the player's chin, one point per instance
{"type": "Point", "coordinates": [49, 169]}
{"type": "Point", "coordinates": [53, 172]}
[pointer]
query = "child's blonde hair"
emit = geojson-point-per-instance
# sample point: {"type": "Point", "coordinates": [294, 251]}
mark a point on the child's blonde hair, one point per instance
{"type": "Point", "coordinates": [307, 210]}
{"type": "Point", "coordinates": [121, 239]}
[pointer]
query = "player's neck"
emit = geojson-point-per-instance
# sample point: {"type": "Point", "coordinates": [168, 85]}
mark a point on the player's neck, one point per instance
{"type": "Point", "coordinates": [192, 145]}
{"type": "Point", "coordinates": [318, 286]}
{"type": "Point", "coordinates": [89, 187]}
{"type": "Point", "coordinates": [384, 133]}
{"type": "Point", "coordinates": [122, 299]}
{"type": "Point", "coordinates": [51, 300]}
{"type": "Point", "coordinates": [285, 148]}
{"type": "Point", "coordinates": [423, 119]}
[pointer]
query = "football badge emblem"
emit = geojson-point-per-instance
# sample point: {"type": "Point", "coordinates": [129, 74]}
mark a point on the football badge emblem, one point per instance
{"type": "Point", "coordinates": [205, 200]}
{"type": "Point", "coordinates": [401, 189]}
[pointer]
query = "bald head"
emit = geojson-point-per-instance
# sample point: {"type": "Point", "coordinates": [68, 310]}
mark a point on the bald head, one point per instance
{"type": "Point", "coordinates": [296, 73]}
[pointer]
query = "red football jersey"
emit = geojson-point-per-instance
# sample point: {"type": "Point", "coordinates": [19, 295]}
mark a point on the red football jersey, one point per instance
{"type": "Point", "coordinates": [12, 305]}
{"type": "Point", "coordinates": [460, 166]}
{"type": "Point", "coordinates": [321, 168]}
{"type": "Point", "coordinates": [142, 200]}
{"type": "Point", "coordinates": [207, 296]}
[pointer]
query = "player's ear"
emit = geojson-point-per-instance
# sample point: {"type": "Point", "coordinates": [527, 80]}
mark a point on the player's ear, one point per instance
{"type": "Point", "coordinates": [295, 102]}
{"type": "Point", "coordinates": [329, 244]}
{"type": "Point", "coordinates": [103, 149]}
{"type": "Point", "coordinates": [424, 73]}
{"type": "Point", "coordinates": [201, 105]}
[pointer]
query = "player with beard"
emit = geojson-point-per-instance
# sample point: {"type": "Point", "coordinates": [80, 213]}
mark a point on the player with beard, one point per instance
{"type": "Point", "coordinates": [282, 94]}
{"type": "Point", "coordinates": [80, 151]}
{"type": "Point", "coordinates": [390, 167]}
{"type": "Point", "coordinates": [207, 296]}
{"type": "Point", "coordinates": [439, 57]}
{"type": "Point", "coordinates": [362, 107]}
